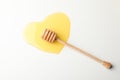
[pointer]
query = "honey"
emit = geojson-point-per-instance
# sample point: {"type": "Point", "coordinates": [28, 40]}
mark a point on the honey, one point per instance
{"type": "Point", "coordinates": [57, 22]}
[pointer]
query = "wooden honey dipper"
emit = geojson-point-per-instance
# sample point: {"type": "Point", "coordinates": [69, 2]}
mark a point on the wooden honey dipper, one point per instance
{"type": "Point", "coordinates": [51, 36]}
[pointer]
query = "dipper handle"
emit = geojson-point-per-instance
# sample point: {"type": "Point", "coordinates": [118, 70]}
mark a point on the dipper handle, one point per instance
{"type": "Point", "coordinates": [104, 63]}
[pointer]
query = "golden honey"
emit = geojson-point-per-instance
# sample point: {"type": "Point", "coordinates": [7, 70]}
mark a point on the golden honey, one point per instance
{"type": "Point", "coordinates": [58, 22]}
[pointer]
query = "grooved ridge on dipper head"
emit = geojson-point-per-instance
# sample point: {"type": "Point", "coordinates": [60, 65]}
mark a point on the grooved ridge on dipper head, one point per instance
{"type": "Point", "coordinates": [49, 35]}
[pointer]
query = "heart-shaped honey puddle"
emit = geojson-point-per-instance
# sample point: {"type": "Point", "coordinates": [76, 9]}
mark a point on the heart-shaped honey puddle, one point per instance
{"type": "Point", "coordinates": [58, 22]}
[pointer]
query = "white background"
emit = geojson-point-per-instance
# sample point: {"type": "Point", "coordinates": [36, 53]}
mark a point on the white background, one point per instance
{"type": "Point", "coordinates": [95, 28]}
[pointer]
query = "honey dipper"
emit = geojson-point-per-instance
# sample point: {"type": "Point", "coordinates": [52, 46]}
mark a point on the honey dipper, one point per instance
{"type": "Point", "coordinates": [51, 36]}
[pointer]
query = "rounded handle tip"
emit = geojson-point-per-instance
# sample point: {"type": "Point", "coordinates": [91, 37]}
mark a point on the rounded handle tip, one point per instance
{"type": "Point", "coordinates": [107, 65]}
